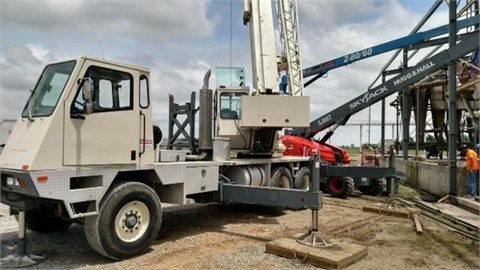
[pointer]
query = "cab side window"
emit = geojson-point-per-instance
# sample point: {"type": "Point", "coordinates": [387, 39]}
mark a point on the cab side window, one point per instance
{"type": "Point", "coordinates": [113, 91]}
{"type": "Point", "coordinates": [144, 97]}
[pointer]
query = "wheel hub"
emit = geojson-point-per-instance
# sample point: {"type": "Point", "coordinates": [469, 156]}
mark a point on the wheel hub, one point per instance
{"type": "Point", "coordinates": [131, 221]}
{"type": "Point", "coordinates": [336, 184]}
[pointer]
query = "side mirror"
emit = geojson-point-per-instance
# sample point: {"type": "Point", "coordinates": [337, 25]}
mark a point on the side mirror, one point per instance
{"type": "Point", "coordinates": [88, 94]}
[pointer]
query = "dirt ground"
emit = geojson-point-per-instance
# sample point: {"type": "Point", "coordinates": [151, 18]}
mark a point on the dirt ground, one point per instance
{"type": "Point", "coordinates": [233, 236]}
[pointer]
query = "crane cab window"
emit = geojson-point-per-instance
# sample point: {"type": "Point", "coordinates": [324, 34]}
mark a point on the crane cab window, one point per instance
{"type": "Point", "coordinates": [230, 105]}
{"type": "Point", "coordinates": [144, 96]}
{"type": "Point", "coordinates": [113, 91]}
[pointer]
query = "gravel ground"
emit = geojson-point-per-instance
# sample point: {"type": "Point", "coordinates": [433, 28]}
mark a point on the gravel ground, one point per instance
{"type": "Point", "coordinates": [233, 236]}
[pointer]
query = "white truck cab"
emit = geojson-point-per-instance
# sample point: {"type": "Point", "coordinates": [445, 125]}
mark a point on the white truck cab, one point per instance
{"type": "Point", "coordinates": [55, 129]}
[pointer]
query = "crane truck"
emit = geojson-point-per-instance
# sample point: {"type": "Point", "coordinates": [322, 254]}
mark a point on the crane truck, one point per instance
{"type": "Point", "coordinates": [85, 149]}
{"type": "Point", "coordinates": [304, 145]}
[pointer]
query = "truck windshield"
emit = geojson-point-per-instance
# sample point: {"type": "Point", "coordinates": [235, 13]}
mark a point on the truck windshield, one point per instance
{"type": "Point", "coordinates": [46, 94]}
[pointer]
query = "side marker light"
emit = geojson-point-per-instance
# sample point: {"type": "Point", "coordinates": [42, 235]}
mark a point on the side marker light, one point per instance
{"type": "Point", "coordinates": [42, 178]}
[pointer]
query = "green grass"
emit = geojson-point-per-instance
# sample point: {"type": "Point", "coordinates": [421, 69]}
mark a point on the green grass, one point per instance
{"type": "Point", "coordinates": [352, 150]}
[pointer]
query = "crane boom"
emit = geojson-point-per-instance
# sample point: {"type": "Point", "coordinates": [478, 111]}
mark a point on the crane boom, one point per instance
{"type": "Point", "coordinates": [321, 69]}
{"type": "Point", "coordinates": [289, 36]}
{"type": "Point", "coordinates": [340, 115]}
{"type": "Point", "coordinates": [258, 14]}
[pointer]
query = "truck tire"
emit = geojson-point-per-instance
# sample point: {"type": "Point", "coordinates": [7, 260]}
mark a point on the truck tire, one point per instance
{"type": "Point", "coordinates": [377, 186]}
{"type": "Point", "coordinates": [302, 180]}
{"type": "Point", "coordinates": [339, 187]}
{"type": "Point", "coordinates": [127, 223]}
{"type": "Point", "coordinates": [44, 220]}
{"type": "Point", "coordinates": [281, 178]}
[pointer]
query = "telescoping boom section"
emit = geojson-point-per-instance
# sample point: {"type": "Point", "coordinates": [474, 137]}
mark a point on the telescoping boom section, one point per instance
{"type": "Point", "coordinates": [340, 115]}
{"type": "Point", "coordinates": [321, 69]}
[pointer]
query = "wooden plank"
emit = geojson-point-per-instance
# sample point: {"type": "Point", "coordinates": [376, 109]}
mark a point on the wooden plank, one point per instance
{"type": "Point", "coordinates": [402, 213]}
{"type": "Point", "coordinates": [408, 203]}
{"type": "Point", "coordinates": [444, 198]}
{"type": "Point", "coordinates": [418, 225]}
{"type": "Point", "coordinates": [340, 255]}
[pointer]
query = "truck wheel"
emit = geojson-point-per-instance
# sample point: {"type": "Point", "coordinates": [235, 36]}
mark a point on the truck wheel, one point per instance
{"type": "Point", "coordinates": [44, 220]}
{"type": "Point", "coordinates": [340, 187]}
{"type": "Point", "coordinates": [377, 186]}
{"type": "Point", "coordinates": [281, 178]}
{"type": "Point", "coordinates": [127, 223]}
{"type": "Point", "coordinates": [302, 180]}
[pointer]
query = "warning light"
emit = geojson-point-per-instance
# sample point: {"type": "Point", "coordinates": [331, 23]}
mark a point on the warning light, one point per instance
{"type": "Point", "coordinates": [42, 178]}
{"type": "Point", "coordinates": [25, 167]}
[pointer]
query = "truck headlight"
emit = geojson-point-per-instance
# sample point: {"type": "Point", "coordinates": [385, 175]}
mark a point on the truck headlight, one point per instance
{"type": "Point", "coordinates": [11, 181]}
{"type": "Point", "coordinates": [15, 182]}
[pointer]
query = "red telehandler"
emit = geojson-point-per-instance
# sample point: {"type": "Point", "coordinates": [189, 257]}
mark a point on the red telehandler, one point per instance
{"type": "Point", "coordinates": [336, 186]}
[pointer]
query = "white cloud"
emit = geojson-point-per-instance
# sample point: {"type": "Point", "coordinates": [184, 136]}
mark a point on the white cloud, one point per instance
{"type": "Point", "coordinates": [125, 19]}
{"type": "Point", "coordinates": [39, 52]}
{"type": "Point", "coordinates": [330, 13]}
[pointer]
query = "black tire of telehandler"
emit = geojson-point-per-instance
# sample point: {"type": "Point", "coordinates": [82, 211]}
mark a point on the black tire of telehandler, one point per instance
{"type": "Point", "coordinates": [281, 178]}
{"type": "Point", "coordinates": [302, 180]}
{"type": "Point", "coordinates": [44, 220]}
{"type": "Point", "coordinates": [376, 188]}
{"type": "Point", "coordinates": [107, 233]}
{"type": "Point", "coordinates": [339, 187]}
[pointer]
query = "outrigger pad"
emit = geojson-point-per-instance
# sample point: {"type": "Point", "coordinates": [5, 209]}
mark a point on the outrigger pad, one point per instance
{"type": "Point", "coordinates": [314, 239]}
{"type": "Point", "coordinates": [15, 261]}
{"type": "Point", "coordinates": [337, 256]}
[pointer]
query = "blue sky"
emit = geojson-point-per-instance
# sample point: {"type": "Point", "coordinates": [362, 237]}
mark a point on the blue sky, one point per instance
{"type": "Point", "coordinates": [180, 40]}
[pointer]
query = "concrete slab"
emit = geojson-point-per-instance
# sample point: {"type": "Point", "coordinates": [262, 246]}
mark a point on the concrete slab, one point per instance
{"type": "Point", "coordinates": [459, 213]}
{"type": "Point", "coordinates": [340, 255]}
{"type": "Point", "coordinates": [446, 207]}
{"type": "Point", "coordinates": [433, 177]}
{"type": "Point", "coordinates": [469, 204]}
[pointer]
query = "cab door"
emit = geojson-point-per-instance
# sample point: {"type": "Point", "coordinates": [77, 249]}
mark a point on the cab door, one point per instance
{"type": "Point", "coordinates": [111, 134]}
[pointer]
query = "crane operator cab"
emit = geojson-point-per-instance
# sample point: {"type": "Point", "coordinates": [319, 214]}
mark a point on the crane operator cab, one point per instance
{"type": "Point", "coordinates": [231, 87]}
{"type": "Point", "coordinates": [228, 114]}
{"type": "Point", "coordinates": [251, 121]}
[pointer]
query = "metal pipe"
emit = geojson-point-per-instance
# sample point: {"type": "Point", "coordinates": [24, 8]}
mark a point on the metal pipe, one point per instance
{"type": "Point", "coordinates": [196, 157]}
{"type": "Point", "coordinates": [315, 220]}
{"type": "Point", "coordinates": [382, 136]}
{"type": "Point", "coordinates": [22, 232]}
{"type": "Point", "coordinates": [205, 137]}
{"type": "Point", "coordinates": [314, 166]}
{"type": "Point", "coordinates": [417, 120]}
{"type": "Point", "coordinates": [452, 100]}
{"type": "Point", "coordinates": [406, 111]}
